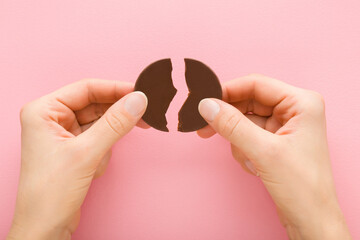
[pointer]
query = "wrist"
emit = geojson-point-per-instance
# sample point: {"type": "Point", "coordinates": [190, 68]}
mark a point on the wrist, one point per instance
{"type": "Point", "coordinates": [330, 225]}
{"type": "Point", "coordinates": [22, 230]}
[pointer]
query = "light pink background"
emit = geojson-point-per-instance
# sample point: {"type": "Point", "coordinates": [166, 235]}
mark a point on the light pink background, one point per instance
{"type": "Point", "coordinates": [174, 185]}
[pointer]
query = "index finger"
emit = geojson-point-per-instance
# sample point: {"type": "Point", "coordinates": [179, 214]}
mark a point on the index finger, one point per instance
{"type": "Point", "coordinates": [78, 95]}
{"type": "Point", "coordinates": [265, 90]}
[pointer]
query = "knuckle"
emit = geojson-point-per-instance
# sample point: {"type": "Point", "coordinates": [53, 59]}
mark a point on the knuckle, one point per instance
{"type": "Point", "coordinates": [89, 84]}
{"type": "Point", "coordinates": [320, 99]}
{"type": "Point", "coordinates": [26, 112]}
{"type": "Point", "coordinates": [116, 123]}
{"type": "Point", "coordinates": [22, 112]}
{"type": "Point", "coordinates": [315, 102]}
{"type": "Point", "coordinates": [256, 75]}
{"type": "Point", "coordinates": [85, 80]}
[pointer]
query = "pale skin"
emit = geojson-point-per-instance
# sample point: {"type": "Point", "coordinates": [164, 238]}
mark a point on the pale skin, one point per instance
{"type": "Point", "coordinates": [276, 131]}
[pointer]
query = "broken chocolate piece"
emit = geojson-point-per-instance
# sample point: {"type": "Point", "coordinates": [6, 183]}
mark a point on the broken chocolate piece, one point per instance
{"type": "Point", "coordinates": [155, 81]}
{"type": "Point", "coordinates": [202, 83]}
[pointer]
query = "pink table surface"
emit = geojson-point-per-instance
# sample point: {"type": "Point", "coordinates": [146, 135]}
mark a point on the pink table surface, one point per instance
{"type": "Point", "coordinates": [173, 185]}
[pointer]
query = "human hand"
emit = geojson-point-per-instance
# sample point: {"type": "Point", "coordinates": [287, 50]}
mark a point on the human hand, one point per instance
{"type": "Point", "coordinates": [278, 132]}
{"type": "Point", "coordinates": [66, 141]}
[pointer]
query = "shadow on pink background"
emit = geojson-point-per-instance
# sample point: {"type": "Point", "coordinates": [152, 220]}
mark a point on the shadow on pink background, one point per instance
{"type": "Point", "coordinates": [173, 185]}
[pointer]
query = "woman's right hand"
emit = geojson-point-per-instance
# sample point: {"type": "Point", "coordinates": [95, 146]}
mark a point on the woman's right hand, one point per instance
{"type": "Point", "coordinates": [278, 132]}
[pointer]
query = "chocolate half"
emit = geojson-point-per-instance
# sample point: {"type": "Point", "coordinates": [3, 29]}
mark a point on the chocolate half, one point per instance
{"type": "Point", "coordinates": [156, 82]}
{"type": "Point", "coordinates": [202, 83]}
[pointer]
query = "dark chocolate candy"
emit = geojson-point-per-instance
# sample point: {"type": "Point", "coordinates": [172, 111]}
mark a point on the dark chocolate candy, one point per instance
{"type": "Point", "coordinates": [202, 83]}
{"type": "Point", "coordinates": [155, 81]}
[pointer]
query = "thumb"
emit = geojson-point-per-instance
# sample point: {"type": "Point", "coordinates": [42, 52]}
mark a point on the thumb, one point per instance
{"type": "Point", "coordinates": [117, 121]}
{"type": "Point", "coordinates": [230, 123]}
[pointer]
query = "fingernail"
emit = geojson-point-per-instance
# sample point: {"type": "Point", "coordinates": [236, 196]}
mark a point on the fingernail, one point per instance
{"type": "Point", "coordinates": [208, 109]}
{"type": "Point", "coordinates": [135, 103]}
{"type": "Point", "coordinates": [251, 167]}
